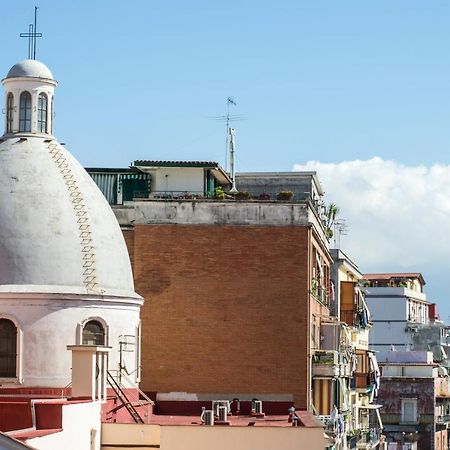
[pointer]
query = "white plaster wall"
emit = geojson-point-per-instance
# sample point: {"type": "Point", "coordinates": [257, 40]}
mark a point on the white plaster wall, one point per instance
{"type": "Point", "coordinates": [34, 87]}
{"type": "Point", "coordinates": [48, 325]}
{"type": "Point", "coordinates": [80, 422]}
{"type": "Point", "coordinates": [409, 371]}
{"type": "Point", "coordinates": [213, 212]}
{"type": "Point", "coordinates": [387, 308]}
{"type": "Point", "coordinates": [248, 438]}
{"type": "Point", "coordinates": [184, 179]}
{"type": "Point", "coordinates": [40, 241]}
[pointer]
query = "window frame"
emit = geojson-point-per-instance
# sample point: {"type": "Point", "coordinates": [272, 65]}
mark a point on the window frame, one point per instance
{"type": "Point", "coordinates": [24, 110]}
{"type": "Point", "coordinates": [81, 326]}
{"type": "Point", "coordinates": [42, 113]}
{"type": "Point", "coordinates": [17, 379]}
{"type": "Point", "coordinates": [9, 112]}
{"type": "Point", "coordinates": [412, 401]}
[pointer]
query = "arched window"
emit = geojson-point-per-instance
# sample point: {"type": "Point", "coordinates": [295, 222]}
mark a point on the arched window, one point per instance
{"type": "Point", "coordinates": [9, 112]}
{"type": "Point", "coordinates": [42, 113]}
{"type": "Point", "coordinates": [8, 349]}
{"type": "Point", "coordinates": [93, 333]}
{"type": "Point", "coordinates": [25, 112]}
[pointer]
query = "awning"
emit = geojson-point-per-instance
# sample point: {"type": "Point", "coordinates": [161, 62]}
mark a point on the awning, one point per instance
{"type": "Point", "coordinates": [371, 406]}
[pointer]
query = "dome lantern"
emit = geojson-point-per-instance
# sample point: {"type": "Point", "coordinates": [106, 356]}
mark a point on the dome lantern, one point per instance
{"type": "Point", "coordinates": [29, 91]}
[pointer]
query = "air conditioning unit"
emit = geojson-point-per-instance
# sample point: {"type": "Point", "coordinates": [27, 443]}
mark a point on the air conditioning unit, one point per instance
{"type": "Point", "coordinates": [207, 417]}
{"type": "Point", "coordinates": [218, 403]}
{"type": "Point", "coordinates": [223, 413]}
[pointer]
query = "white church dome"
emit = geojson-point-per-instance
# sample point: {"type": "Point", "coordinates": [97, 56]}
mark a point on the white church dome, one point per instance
{"type": "Point", "coordinates": [58, 233]}
{"type": "Point", "coordinates": [53, 212]}
{"type": "Point", "coordinates": [30, 68]}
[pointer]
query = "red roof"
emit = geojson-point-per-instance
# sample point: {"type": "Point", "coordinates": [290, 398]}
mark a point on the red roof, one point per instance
{"type": "Point", "coordinates": [395, 275]}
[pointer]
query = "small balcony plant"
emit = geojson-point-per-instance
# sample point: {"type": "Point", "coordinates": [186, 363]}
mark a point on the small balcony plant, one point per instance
{"type": "Point", "coordinates": [285, 196]}
{"type": "Point", "coordinates": [242, 195]}
{"type": "Point", "coordinates": [219, 193]}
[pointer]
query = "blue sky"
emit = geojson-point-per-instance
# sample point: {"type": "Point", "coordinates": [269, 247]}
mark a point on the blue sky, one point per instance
{"type": "Point", "coordinates": [319, 83]}
{"type": "Point", "coordinates": [321, 80]}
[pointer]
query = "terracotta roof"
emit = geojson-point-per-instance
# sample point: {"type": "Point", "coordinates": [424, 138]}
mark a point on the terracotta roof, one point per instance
{"type": "Point", "coordinates": [396, 275]}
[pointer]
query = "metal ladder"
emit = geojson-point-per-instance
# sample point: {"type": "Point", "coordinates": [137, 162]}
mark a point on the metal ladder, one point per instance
{"type": "Point", "coordinates": [124, 399]}
{"type": "Point", "coordinates": [81, 213]}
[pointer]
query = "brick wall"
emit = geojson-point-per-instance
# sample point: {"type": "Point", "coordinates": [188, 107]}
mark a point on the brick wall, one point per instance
{"type": "Point", "coordinates": [128, 234]}
{"type": "Point", "coordinates": [225, 308]}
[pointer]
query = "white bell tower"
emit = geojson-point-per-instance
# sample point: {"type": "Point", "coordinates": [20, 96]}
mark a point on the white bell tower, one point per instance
{"type": "Point", "coordinates": [29, 91]}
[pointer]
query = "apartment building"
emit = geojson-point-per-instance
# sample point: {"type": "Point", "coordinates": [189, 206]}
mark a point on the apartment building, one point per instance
{"type": "Point", "coordinates": [399, 308]}
{"type": "Point", "coordinates": [415, 393]}
{"type": "Point", "coordinates": [345, 372]}
{"type": "Point", "coordinates": [235, 291]}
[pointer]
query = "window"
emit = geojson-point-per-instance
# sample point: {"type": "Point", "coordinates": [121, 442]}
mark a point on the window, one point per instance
{"type": "Point", "coordinates": [8, 349]}
{"type": "Point", "coordinates": [93, 333]}
{"type": "Point", "coordinates": [52, 115]}
{"type": "Point", "coordinates": [42, 113]}
{"type": "Point", "coordinates": [409, 410]}
{"type": "Point", "coordinates": [25, 112]}
{"type": "Point", "coordinates": [9, 113]}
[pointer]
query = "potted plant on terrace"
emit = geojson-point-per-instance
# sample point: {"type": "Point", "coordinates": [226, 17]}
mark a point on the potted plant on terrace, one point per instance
{"type": "Point", "coordinates": [242, 195]}
{"type": "Point", "coordinates": [285, 195]}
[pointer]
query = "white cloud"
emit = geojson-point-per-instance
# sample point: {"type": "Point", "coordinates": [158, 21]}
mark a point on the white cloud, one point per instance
{"type": "Point", "coordinates": [398, 216]}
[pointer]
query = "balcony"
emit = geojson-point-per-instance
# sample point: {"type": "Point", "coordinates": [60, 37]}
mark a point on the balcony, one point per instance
{"type": "Point", "coordinates": [320, 294]}
{"type": "Point", "coordinates": [368, 439]}
{"type": "Point", "coordinates": [326, 364]}
{"type": "Point", "coordinates": [361, 381]}
{"type": "Point", "coordinates": [443, 419]}
{"type": "Point", "coordinates": [334, 426]}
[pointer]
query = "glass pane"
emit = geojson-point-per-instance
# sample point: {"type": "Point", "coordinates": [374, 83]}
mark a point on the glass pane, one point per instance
{"type": "Point", "coordinates": [8, 345]}
{"type": "Point", "coordinates": [42, 113]}
{"type": "Point", "coordinates": [25, 112]}
{"type": "Point", "coordinates": [9, 114]}
{"type": "Point", "coordinates": [93, 333]}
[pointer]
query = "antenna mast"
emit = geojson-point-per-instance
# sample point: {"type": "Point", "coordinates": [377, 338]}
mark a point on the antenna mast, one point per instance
{"type": "Point", "coordinates": [340, 229]}
{"type": "Point", "coordinates": [230, 101]}
{"type": "Point", "coordinates": [232, 134]}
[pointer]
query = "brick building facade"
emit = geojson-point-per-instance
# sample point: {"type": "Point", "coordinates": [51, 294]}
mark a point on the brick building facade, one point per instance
{"type": "Point", "coordinates": [232, 305]}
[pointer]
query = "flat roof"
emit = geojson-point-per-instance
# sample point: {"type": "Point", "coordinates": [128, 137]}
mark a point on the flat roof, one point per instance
{"type": "Point", "coordinates": [307, 420]}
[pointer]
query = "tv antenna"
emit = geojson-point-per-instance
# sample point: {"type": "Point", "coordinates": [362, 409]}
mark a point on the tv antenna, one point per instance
{"type": "Point", "coordinates": [340, 229]}
{"type": "Point", "coordinates": [32, 36]}
{"type": "Point", "coordinates": [228, 118]}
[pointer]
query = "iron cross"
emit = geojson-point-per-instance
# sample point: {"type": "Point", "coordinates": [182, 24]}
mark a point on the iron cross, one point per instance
{"type": "Point", "coordinates": [32, 35]}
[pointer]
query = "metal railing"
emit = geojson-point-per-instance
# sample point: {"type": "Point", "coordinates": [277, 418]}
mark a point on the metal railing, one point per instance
{"type": "Point", "coordinates": [371, 436]}
{"type": "Point", "coordinates": [139, 399]}
{"type": "Point", "coordinates": [445, 418]}
{"type": "Point", "coordinates": [321, 294]}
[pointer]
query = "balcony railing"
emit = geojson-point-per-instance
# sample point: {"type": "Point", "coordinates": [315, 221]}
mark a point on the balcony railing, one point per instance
{"type": "Point", "coordinates": [367, 437]}
{"type": "Point", "coordinates": [321, 294]}
{"type": "Point", "coordinates": [334, 426]}
{"type": "Point", "coordinates": [443, 419]}
{"type": "Point", "coordinates": [328, 364]}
